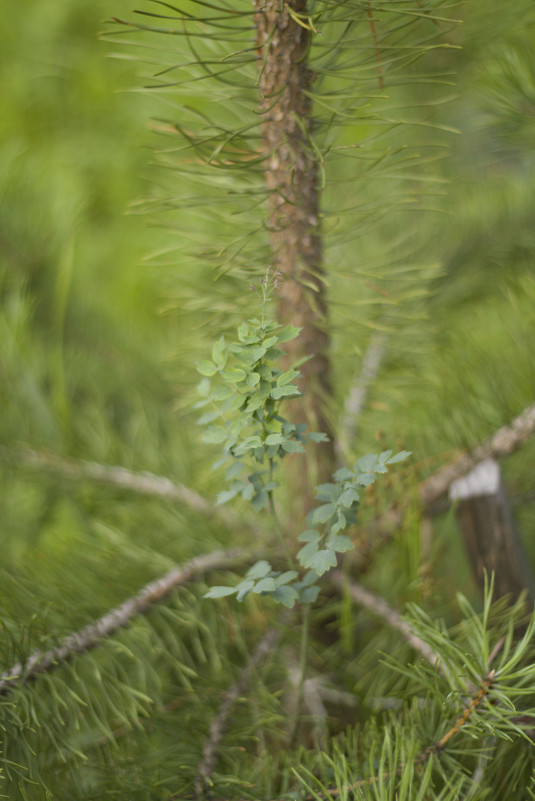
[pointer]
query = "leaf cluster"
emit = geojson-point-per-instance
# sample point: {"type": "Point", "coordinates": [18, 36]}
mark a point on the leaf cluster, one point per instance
{"type": "Point", "coordinates": [245, 401]}
{"type": "Point", "coordinates": [338, 510]}
{"type": "Point", "coordinates": [261, 579]}
{"type": "Point", "coordinates": [251, 431]}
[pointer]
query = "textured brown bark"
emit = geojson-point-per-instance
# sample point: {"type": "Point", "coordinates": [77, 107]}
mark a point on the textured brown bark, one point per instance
{"type": "Point", "coordinates": [293, 182]}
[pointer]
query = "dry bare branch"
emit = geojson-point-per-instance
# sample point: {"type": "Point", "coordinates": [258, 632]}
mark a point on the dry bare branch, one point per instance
{"type": "Point", "coordinates": [209, 755]}
{"type": "Point", "coordinates": [143, 483]}
{"type": "Point", "coordinates": [505, 441]}
{"type": "Point", "coordinates": [94, 633]}
{"type": "Point", "coordinates": [356, 397]}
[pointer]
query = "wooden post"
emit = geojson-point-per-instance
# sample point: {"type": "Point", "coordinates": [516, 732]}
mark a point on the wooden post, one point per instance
{"type": "Point", "coordinates": [490, 533]}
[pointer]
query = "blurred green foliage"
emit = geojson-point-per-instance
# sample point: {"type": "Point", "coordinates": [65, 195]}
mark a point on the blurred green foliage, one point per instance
{"type": "Point", "coordinates": [104, 315]}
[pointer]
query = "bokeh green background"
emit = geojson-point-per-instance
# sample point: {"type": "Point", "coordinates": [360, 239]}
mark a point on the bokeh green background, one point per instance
{"type": "Point", "coordinates": [103, 316]}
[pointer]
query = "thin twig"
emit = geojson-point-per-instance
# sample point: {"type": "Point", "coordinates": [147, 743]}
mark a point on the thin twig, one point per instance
{"type": "Point", "coordinates": [91, 635]}
{"type": "Point", "coordinates": [356, 397]}
{"type": "Point", "coordinates": [503, 442]}
{"type": "Point", "coordinates": [236, 689]}
{"type": "Point", "coordinates": [303, 661]}
{"type": "Point", "coordinates": [474, 703]}
{"type": "Point", "coordinates": [314, 694]}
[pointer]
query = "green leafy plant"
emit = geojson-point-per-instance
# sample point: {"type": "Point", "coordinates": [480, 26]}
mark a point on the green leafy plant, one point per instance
{"type": "Point", "coordinates": [243, 389]}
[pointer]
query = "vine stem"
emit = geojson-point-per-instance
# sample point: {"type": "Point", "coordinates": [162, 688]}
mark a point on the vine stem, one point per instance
{"type": "Point", "coordinates": [280, 532]}
{"type": "Point", "coordinates": [303, 663]}
{"type": "Point", "coordinates": [278, 527]}
{"type": "Point", "coordinates": [306, 618]}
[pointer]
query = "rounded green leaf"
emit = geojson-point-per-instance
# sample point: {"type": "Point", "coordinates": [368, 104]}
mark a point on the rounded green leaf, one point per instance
{"type": "Point", "coordinates": [209, 417]}
{"type": "Point", "coordinates": [222, 393]}
{"type": "Point", "coordinates": [322, 561]}
{"type": "Point", "coordinates": [204, 367]}
{"type": "Point", "coordinates": [340, 543]}
{"type": "Point", "coordinates": [309, 595]}
{"type": "Point", "coordinates": [292, 447]}
{"type": "Point", "coordinates": [310, 535]}
{"type": "Point", "coordinates": [265, 371]}
{"type": "Point", "coordinates": [252, 380]}
{"type": "Point", "coordinates": [306, 553]}
{"type": "Point", "coordinates": [243, 332]}
{"type": "Point", "coordinates": [233, 470]}
{"type": "Point", "coordinates": [203, 388]}
{"type": "Point", "coordinates": [399, 457]}
{"type": "Point", "coordinates": [348, 497]}
{"type": "Point", "coordinates": [287, 333]}
{"type": "Point", "coordinates": [218, 350]}
{"type": "Point", "coordinates": [219, 592]}
{"type": "Point", "coordinates": [286, 377]}
{"type": "Point", "coordinates": [252, 353]}
{"type": "Point", "coordinates": [225, 496]}
{"type": "Point", "coordinates": [284, 392]}
{"type": "Point", "coordinates": [285, 577]}
{"type": "Point", "coordinates": [244, 588]}
{"type": "Point", "coordinates": [317, 436]}
{"type": "Point", "coordinates": [328, 492]}
{"type": "Point", "coordinates": [309, 578]}
{"type": "Point", "coordinates": [365, 479]}
{"type": "Point", "coordinates": [340, 523]}
{"type": "Point", "coordinates": [265, 585]}
{"type": "Point", "coordinates": [274, 439]}
{"type": "Point", "coordinates": [323, 513]}
{"type": "Point", "coordinates": [286, 596]}
{"type": "Point", "coordinates": [233, 374]}
{"type": "Point", "coordinates": [366, 464]}
{"type": "Point", "coordinates": [384, 456]}
{"type": "Point", "coordinates": [259, 570]}
{"type": "Point", "coordinates": [255, 402]}
{"type": "Point", "coordinates": [248, 492]}
{"type": "Point", "coordinates": [215, 435]}
{"type": "Point", "coordinates": [343, 474]}
{"type": "Point", "coordinates": [260, 501]}
{"type": "Point", "coordinates": [232, 403]}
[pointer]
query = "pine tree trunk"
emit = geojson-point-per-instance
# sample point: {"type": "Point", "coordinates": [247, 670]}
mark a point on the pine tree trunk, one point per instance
{"type": "Point", "coordinates": [293, 182]}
